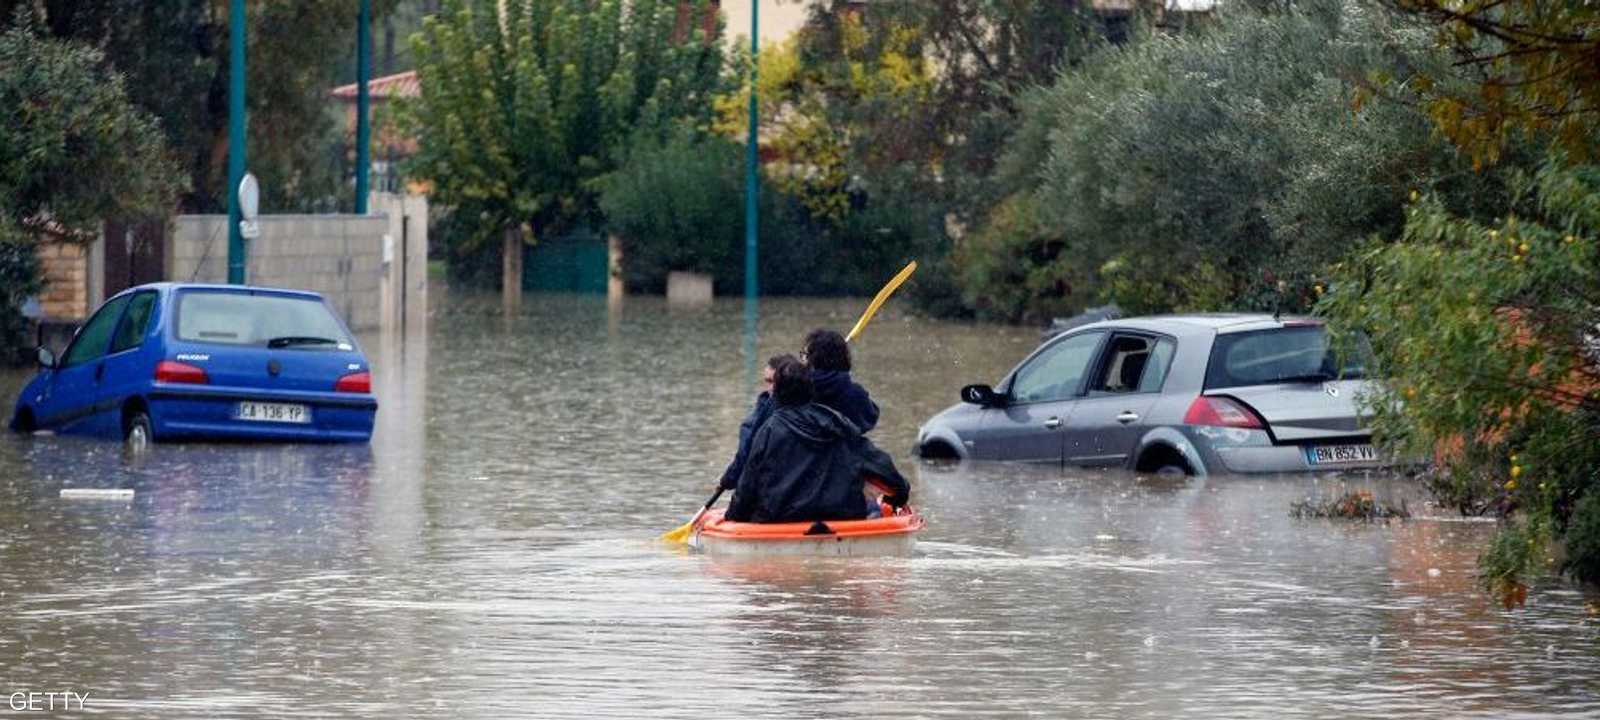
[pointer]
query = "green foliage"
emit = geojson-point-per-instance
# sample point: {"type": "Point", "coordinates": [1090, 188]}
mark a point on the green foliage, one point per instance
{"type": "Point", "coordinates": [520, 112]}
{"type": "Point", "coordinates": [678, 205]}
{"type": "Point", "coordinates": [174, 55]}
{"type": "Point", "coordinates": [1223, 168]}
{"type": "Point", "coordinates": [1016, 259]}
{"type": "Point", "coordinates": [1583, 539]}
{"type": "Point", "coordinates": [73, 150]}
{"type": "Point", "coordinates": [1486, 332]}
{"type": "Point", "coordinates": [19, 279]}
{"type": "Point", "coordinates": [1522, 68]}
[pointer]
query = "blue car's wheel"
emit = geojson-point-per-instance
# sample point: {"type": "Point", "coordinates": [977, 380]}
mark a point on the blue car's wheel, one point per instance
{"type": "Point", "coordinates": [137, 432]}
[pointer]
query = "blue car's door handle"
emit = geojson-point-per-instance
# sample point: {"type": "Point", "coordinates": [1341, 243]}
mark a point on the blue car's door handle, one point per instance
{"type": "Point", "coordinates": [99, 372]}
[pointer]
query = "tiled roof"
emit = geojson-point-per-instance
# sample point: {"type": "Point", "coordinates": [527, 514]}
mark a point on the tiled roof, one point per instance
{"type": "Point", "coordinates": [398, 85]}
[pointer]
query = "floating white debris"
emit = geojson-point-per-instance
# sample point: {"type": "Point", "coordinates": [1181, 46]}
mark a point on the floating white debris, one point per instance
{"type": "Point", "coordinates": [1374, 643]}
{"type": "Point", "coordinates": [96, 494]}
{"type": "Point", "coordinates": [1434, 572]}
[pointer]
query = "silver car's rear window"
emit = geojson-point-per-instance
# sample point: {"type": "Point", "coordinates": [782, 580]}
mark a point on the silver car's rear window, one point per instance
{"type": "Point", "coordinates": [237, 318]}
{"type": "Point", "coordinates": [1287, 354]}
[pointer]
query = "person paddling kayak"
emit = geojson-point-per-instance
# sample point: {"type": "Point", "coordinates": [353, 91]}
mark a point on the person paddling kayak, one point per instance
{"type": "Point", "coordinates": [809, 461]}
{"type": "Point", "coordinates": [827, 353]}
{"type": "Point", "coordinates": [753, 422]}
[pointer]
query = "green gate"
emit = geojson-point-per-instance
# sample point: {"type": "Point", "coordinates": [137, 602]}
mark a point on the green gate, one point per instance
{"type": "Point", "coordinates": [574, 263]}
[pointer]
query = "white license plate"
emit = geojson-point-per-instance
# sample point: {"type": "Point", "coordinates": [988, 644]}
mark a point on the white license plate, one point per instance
{"type": "Point", "coordinates": [272, 412]}
{"type": "Point", "coordinates": [1340, 454]}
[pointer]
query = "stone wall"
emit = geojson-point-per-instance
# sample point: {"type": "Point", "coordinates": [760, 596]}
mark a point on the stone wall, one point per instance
{"type": "Point", "coordinates": [404, 294]}
{"type": "Point", "coordinates": [373, 269]}
{"type": "Point", "coordinates": [339, 256]}
{"type": "Point", "coordinates": [64, 270]}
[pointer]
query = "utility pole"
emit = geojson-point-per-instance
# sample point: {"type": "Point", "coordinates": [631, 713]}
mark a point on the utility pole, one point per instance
{"type": "Point", "coordinates": [751, 188]}
{"type": "Point", "coordinates": [363, 102]}
{"type": "Point", "coordinates": [236, 142]}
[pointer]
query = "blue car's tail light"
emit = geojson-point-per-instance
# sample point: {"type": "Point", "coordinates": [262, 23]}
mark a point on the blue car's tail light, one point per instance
{"type": "Point", "coordinates": [173, 371]}
{"type": "Point", "coordinates": [359, 382]}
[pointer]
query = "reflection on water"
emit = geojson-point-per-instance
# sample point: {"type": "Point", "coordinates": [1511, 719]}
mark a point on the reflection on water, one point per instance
{"type": "Point", "coordinates": [492, 553]}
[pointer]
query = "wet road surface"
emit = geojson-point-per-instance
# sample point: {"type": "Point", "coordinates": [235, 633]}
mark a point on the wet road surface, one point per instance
{"type": "Point", "coordinates": [492, 553]}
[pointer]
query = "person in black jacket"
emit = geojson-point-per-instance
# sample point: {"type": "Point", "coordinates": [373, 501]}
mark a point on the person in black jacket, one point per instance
{"type": "Point", "coordinates": [753, 422]}
{"type": "Point", "coordinates": [828, 356]}
{"type": "Point", "coordinates": [809, 462]}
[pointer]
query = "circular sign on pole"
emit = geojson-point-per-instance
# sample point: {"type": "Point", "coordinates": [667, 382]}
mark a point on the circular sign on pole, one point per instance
{"type": "Point", "coordinates": [249, 197]}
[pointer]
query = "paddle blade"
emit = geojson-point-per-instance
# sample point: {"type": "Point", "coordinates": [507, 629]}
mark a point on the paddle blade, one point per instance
{"type": "Point", "coordinates": [878, 301]}
{"type": "Point", "coordinates": [679, 535]}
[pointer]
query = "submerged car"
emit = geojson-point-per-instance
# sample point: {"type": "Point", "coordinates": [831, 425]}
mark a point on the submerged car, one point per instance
{"type": "Point", "coordinates": [1190, 394]}
{"type": "Point", "coordinates": [169, 361]}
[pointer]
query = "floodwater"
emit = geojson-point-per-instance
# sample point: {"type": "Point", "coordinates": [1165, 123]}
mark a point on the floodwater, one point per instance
{"type": "Point", "coordinates": [492, 553]}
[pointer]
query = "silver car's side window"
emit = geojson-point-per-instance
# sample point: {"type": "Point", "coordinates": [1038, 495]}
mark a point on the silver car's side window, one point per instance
{"type": "Point", "coordinates": [1155, 370]}
{"type": "Point", "coordinates": [1056, 373]}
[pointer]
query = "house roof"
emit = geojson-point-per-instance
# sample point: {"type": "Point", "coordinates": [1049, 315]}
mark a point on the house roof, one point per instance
{"type": "Point", "coordinates": [397, 85]}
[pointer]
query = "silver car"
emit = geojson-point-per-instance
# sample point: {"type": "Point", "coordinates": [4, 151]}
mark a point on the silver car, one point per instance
{"type": "Point", "coordinates": [1190, 394]}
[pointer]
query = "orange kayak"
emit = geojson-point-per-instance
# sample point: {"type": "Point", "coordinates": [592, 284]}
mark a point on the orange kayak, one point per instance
{"type": "Point", "coordinates": [889, 535]}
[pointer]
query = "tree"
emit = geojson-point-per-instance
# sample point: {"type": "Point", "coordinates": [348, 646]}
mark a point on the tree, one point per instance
{"type": "Point", "coordinates": [1222, 168]}
{"type": "Point", "coordinates": [73, 149]}
{"type": "Point", "coordinates": [73, 152]}
{"type": "Point", "coordinates": [1486, 332]}
{"type": "Point", "coordinates": [677, 205]}
{"type": "Point", "coordinates": [525, 102]}
{"type": "Point", "coordinates": [1521, 67]}
{"type": "Point", "coordinates": [174, 56]}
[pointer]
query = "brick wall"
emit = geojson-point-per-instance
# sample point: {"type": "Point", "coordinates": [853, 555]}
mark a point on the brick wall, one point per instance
{"type": "Point", "coordinates": [64, 268]}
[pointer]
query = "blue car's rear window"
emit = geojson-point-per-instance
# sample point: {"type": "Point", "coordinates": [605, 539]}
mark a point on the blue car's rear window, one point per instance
{"type": "Point", "coordinates": [237, 318]}
{"type": "Point", "coordinates": [1287, 354]}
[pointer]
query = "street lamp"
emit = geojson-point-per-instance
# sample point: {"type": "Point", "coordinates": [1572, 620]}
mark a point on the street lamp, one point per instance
{"type": "Point", "coordinates": [236, 144]}
{"type": "Point", "coordinates": [751, 188]}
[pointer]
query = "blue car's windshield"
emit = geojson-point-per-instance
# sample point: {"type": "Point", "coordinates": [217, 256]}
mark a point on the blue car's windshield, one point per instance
{"type": "Point", "coordinates": [236, 318]}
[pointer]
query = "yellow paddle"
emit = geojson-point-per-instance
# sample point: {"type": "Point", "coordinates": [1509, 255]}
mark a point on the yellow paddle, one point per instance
{"type": "Point", "coordinates": [877, 302]}
{"type": "Point", "coordinates": [680, 534]}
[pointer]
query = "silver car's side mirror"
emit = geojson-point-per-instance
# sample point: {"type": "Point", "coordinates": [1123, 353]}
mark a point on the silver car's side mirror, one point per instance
{"type": "Point", "coordinates": [47, 359]}
{"type": "Point", "coordinates": [981, 395]}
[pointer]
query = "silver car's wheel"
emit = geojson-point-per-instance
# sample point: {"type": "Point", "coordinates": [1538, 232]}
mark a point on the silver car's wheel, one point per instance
{"type": "Point", "coordinates": [1171, 471]}
{"type": "Point", "coordinates": [138, 435]}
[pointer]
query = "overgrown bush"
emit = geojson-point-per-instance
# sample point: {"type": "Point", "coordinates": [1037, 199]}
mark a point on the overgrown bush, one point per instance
{"type": "Point", "coordinates": [1223, 168]}
{"type": "Point", "coordinates": [1487, 335]}
{"type": "Point", "coordinates": [19, 278]}
{"type": "Point", "coordinates": [678, 204]}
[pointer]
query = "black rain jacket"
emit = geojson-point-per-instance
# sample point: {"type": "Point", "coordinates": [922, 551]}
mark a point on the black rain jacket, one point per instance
{"type": "Point", "coordinates": [808, 462]}
{"type": "Point", "coordinates": [836, 390]}
{"type": "Point", "coordinates": [747, 432]}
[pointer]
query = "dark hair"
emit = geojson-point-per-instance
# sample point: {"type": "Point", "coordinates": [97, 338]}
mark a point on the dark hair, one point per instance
{"type": "Point", "coordinates": [791, 381]}
{"type": "Point", "coordinates": [827, 350]}
{"type": "Point", "coordinates": [776, 360]}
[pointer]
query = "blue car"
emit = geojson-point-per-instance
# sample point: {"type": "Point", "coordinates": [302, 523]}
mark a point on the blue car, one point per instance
{"type": "Point", "coordinates": [169, 361]}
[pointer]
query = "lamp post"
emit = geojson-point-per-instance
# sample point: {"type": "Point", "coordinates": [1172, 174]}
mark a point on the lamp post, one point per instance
{"type": "Point", "coordinates": [751, 188]}
{"type": "Point", "coordinates": [236, 141]}
{"type": "Point", "coordinates": [363, 101]}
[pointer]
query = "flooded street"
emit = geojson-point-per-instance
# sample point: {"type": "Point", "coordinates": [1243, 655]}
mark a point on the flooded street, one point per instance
{"type": "Point", "coordinates": [493, 553]}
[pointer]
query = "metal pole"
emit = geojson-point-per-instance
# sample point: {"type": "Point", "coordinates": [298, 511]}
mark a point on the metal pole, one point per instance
{"type": "Point", "coordinates": [363, 126]}
{"type": "Point", "coordinates": [751, 189]}
{"type": "Point", "coordinates": [236, 141]}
